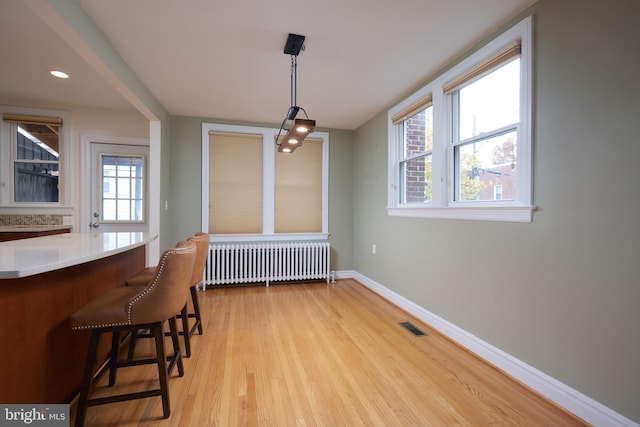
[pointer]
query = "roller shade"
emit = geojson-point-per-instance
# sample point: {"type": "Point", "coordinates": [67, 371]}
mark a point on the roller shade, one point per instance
{"type": "Point", "coordinates": [235, 183]}
{"type": "Point", "coordinates": [34, 120]}
{"type": "Point", "coordinates": [298, 189]}
{"type": "Point", "coordinates": [412, 110]}
{"type": "Point", "coordinates": [508, 53]}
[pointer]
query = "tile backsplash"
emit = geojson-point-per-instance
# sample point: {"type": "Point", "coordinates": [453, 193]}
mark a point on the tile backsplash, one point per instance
{"type": "Point", "coordinates": [30, 220]}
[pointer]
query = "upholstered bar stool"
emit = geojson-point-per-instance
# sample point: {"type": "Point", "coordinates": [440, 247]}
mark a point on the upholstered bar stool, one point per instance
{"type": "Point", "coordinates": [143, 277]}
{"type": "Point", "coordinates": [126, 309]}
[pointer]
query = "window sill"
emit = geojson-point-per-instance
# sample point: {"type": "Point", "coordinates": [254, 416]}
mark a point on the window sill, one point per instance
{"type": "Point", "coordinates": [475, 213]}
{"type": "Point", "coordinates": [36, 209]}
{"type": "Point", "coordinates": [267, 237]}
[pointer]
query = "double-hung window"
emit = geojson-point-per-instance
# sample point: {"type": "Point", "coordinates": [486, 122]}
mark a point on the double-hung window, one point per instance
{"type": "Point", "coordinates": [460, 147]}
{"type": "Point", "coordinates": [416, 151]}
{"type": "Point", "coordinates": [31, 149]}
{"type": "Point", "coordinates": [485, 115]}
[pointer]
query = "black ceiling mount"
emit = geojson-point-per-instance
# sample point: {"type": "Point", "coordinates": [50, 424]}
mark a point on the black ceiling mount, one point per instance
{"type": "Point", "coordinates": [294, 45]}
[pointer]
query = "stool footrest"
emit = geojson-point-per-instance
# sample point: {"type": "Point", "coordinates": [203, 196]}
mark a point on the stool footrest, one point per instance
{"type": "Point", "coordinates": [136, 362]}
{"type": "Point", "coordinates": [124, 397]}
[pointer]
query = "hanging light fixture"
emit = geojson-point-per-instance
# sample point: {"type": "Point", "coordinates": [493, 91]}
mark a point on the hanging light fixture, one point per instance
{"type": "Point", "coordinates": [296, 129]}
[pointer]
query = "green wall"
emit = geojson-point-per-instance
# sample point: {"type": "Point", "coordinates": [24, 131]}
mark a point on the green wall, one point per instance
{"type": "Point", "coordinates": [185, 169]}
{"type": "Point", "coordinates": [561, 293]}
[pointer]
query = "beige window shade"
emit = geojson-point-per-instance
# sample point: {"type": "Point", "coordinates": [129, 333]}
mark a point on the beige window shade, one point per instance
{"type": "Point", "coordinates": [36, 120]}
{"type": "Point", "coordinates": [508, 53]}
{"type": "Point", "coordinates": [412, 110]}
{"type": "Point", "coordinates": [235, 183]}
{"type": "Point", "coordinates": [298, 189]}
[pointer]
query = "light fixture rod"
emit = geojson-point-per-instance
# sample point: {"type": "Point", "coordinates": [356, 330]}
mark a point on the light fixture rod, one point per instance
{"type": "Point", "coordinates": [294, 80]}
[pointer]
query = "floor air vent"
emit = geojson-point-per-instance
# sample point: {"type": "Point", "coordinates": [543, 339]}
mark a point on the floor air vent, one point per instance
{"type": "Point", "coordinates": [411, 328]}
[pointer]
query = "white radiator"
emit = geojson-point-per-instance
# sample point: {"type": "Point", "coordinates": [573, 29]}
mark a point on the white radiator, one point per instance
{"type": "Point", "coordinates": [236, 263]}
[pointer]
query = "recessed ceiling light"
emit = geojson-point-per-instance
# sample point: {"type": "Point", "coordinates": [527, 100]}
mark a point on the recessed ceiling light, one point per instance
{"type": "Point", "coordinates": [59, 74]}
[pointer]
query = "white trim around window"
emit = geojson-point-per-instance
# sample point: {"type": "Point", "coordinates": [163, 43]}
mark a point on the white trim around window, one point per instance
{"type": "Point", "coordinates": [65, 204]}
{"type": "Point", "coordinates": [443, 203]}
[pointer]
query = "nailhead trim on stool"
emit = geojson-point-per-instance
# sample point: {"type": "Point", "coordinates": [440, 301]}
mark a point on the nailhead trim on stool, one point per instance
{"type": "Point", "coordinates": [202, 248]}
{"type": "Point", "coordinates": [127, 309]}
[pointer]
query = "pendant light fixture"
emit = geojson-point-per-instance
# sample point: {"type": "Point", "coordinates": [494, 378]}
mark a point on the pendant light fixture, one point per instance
{"type": "Point", "coordinates": [295, 129]}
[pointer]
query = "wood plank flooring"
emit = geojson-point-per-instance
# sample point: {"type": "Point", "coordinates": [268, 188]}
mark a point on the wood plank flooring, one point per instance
{"type": "Point", "coordinates": [314, 354]}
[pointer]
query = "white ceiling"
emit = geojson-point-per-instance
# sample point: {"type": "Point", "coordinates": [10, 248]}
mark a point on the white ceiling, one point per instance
{"type": "Point", "coordinates": [224, 59]}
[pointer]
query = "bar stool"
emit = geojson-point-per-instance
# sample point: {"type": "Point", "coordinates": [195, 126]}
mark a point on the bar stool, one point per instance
{"type": "Point", "coordinates": [126, 309]}
{"type": "Point", "coordinates": [143, 277]}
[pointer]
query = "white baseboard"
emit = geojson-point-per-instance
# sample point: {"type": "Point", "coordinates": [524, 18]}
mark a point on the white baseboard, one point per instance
{"type": "Point", "coordinates": [572, 400]}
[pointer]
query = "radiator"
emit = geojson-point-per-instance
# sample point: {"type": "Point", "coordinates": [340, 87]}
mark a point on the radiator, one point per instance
{"type": "Point", "coordinates": [236, 263]}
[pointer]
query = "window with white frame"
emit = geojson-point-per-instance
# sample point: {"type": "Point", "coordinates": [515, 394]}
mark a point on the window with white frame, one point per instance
{"type": "Point", "coordinates": [123, 188]}
{"type": "Point", "coordinates": [32, 148]}
{"type": "Point", "coordinates": [416, 152]}
{"type": "Point", "coordinates": [252, 192]}
{"type": "Point", "coordinates": [458, 139]}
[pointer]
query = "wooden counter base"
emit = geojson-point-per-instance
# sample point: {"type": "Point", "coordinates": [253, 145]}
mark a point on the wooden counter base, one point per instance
{"type": "Point", "coordinates": [42, 359]}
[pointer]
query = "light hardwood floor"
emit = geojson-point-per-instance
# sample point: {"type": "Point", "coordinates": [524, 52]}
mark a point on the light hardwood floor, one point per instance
{"type": "Point", "coordinates": [323, 355]}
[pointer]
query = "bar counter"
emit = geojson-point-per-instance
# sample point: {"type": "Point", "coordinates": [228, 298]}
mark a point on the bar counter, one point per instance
{"type": "Point", "coordinates": [43, 280]}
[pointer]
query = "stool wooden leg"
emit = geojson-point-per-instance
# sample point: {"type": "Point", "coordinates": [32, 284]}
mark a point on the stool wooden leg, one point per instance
{"type": "Point", "coordinates": [113, 361]}
{"type": "Point", "coordinates": [185, 331]}
{"type": "Point", "coordinates": [177, 354]}
{"type": "Point", "coordinates": [196, 309]}
{"type": "Point", "coordinates": [87, 378]}
{"type": "Point", "coordinates": [158, 334]}
{"type": "Point", "coordinates": [132, 344]}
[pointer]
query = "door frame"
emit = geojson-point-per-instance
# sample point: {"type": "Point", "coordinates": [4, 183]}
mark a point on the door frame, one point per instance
{"type": "Point", "coordinates": [98, 150]}
{"type": "Point", "coordinates": [87, 169]}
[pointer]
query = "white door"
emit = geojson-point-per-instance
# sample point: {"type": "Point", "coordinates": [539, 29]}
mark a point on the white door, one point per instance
{"type": "Point", "coordinates": [119, 187]}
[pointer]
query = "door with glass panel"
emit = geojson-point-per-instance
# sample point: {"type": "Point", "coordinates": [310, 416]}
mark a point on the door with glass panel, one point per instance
{"type": "Point", "coordinates": [119, 188]}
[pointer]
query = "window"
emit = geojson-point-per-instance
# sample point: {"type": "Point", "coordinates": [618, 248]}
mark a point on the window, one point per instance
{"type": "Point", "coordinates": [123, 188]}
{"type": "Point", "coordinates": [415, 163]}
{"type": "Point", "coordinates": [32, 155]}
{"type": "Point", "coordinates": [485, 116]}
{"type": "Point", "coordinates": [460, 147]}
{"type": "Point", "coordinates": [235, 183]}
{"type": "Point", "coordinates": [298, 189]}
{"type": "Point", "coordinates": [252, 192]}
{"type": "Point", "coordinates": [32, 144]}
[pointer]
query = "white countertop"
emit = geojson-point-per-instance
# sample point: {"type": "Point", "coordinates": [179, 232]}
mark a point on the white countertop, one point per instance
{"type": "Point", "coordinates": [20, 258]}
